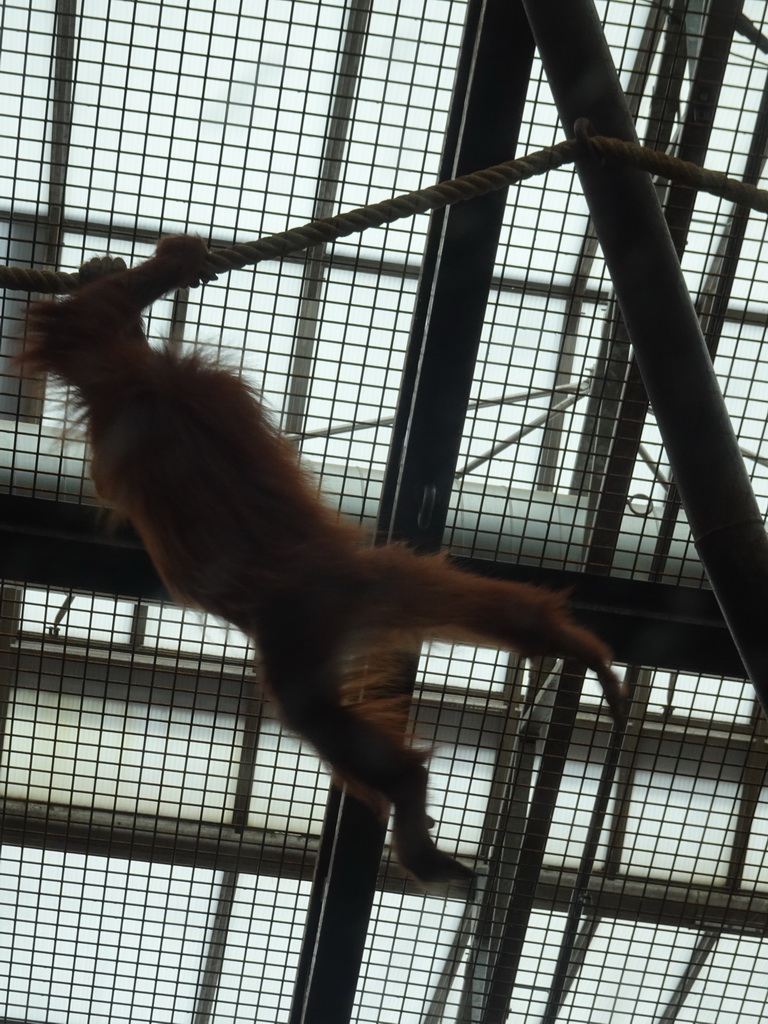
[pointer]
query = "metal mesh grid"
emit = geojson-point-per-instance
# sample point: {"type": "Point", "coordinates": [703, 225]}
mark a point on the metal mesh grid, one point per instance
{"type": "Point", "coordinates": [545, 331]}
{"type": "Point", "coordinates": [161, 831]}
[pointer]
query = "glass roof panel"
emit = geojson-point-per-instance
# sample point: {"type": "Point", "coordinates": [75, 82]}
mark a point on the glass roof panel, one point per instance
{"type": "Point", "coordinates": [89, 938]}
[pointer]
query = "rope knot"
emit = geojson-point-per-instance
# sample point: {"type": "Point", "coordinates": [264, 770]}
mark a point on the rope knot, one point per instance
{"type": "Point", "coordinates": [584, 131]}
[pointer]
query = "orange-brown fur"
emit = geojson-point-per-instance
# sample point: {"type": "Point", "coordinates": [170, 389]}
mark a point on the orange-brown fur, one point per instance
{"type": "Point", "coordinates": [183, 449]}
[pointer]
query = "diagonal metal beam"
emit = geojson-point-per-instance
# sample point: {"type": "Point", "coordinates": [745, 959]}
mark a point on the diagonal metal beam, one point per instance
{"type": "Point", "coordinates": [714, 50]}
{"type": "Point", "coordinates": [503, 830]}
{"type": "Point", "coordinates": [579, 291]}
{"type": "Point", "coordinates": [619, 429]}
{"type": "Point", "coordinates": [706, 943]}
{"type": "Point", "coordinates": [527, 428]}
{"type": "Point", "coordinates": [618, 404]}
{"type": "Point", "coordinates": [578, 44]}
{"type": "Point", "coordinates": [715, 296]}
{"type": "Point", "coordinates": [725, 520]}
{"type": "Point", "coordinates": [575, 937]}
{"type": "Point", "coordinates": [532, 847]}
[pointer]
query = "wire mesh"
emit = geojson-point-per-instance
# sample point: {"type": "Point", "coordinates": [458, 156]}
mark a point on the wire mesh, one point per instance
{"type": "Point", "coordinates": [161, 832]}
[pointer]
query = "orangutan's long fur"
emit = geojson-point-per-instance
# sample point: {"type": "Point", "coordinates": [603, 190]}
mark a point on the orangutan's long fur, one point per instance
{"type": "Point", "coordinates": [183, 449]}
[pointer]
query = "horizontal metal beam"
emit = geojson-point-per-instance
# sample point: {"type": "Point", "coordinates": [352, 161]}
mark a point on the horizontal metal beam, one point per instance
{"type": "Point", "coordinates": [61, 544]}
{"type": "Point", "coordinates": [160, 840]}
{"type": "Point", "coordinates": [656, 625]}
{"type": "Point", "coordinates": [221, 848]}
{"type": "Point", "coordinates": [659, 902]}
{"type": "Point", "coordinates": [145, 837]}
{"type": "Point", "coordinates": [58, 544]}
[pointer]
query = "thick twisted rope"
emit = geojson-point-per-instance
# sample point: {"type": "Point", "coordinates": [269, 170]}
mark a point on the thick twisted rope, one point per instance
{"type": "Point", "coordinates": [436, 197]}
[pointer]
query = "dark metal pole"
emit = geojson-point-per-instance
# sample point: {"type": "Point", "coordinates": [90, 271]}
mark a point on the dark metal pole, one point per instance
{"type": "Point", "coordinates": [722, 512]}
{"type": "Point", "coordinates": [456, 275]}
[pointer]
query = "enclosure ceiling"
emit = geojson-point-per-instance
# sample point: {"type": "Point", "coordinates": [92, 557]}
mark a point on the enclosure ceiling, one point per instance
{"type": "Point", "coordinates": [463, 381]}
